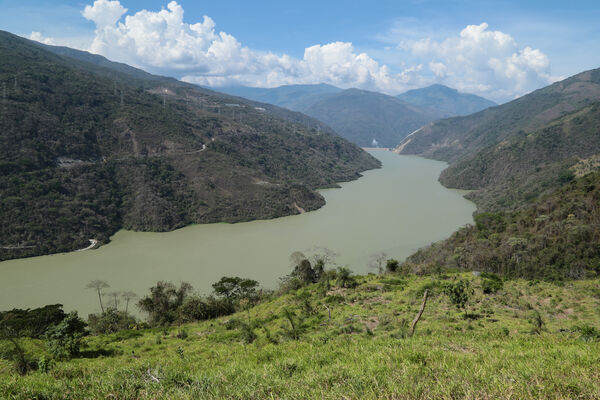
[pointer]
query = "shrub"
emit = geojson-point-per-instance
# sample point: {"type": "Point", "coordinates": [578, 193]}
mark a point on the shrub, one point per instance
{"type": "Point", "coordinates": [32, 323]}
{"type": "Point", "coordinates": [64, 339]}
{"type": "Point", "coordinates": [392, 265]}
{"type": "Point", "coordinates": [491, 283]}
{"type": "Point", "coordinates": [458, 293]}
{"type": "Point", "coordinates": [110, 321]}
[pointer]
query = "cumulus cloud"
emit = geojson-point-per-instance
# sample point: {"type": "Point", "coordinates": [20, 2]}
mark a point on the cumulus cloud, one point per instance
{"type": "Point", "coordinates": [477, 60]}
{"type": "Point", "coordinates": [38, 37]}
{"type": "Point", "coordinates": [485, 62]}
{"type": "Point", "coordinates": [162, 42]}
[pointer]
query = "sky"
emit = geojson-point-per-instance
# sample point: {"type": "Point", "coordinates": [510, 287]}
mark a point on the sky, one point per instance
{"type": "Point", "coordinates": [498, 49]}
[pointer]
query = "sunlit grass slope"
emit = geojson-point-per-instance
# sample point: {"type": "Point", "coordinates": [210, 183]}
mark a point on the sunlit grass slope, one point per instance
{"type": "Point", "coordinates": [497, 348]}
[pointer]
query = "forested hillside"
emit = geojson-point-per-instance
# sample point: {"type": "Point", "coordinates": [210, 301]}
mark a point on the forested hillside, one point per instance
{"type": "Point", "coordinates": [87, 150]}
{"type": "Point", "coordinates": [557, 237]}
{"type": "Point", "coordinates": [461, 137]}
{"type": "Point", "coordinates": [513, 153]}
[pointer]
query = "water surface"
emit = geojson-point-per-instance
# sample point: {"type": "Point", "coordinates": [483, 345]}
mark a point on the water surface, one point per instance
{"type": "Point", "coordinates": [396, 209]}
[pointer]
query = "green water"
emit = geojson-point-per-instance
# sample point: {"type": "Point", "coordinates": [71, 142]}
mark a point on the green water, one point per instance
{"type": "Point", "coordinates": [396, 209]}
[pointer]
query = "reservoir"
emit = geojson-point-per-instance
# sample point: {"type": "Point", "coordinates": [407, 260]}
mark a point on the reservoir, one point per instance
{"type": "Point", "coordinates": [396, 209]}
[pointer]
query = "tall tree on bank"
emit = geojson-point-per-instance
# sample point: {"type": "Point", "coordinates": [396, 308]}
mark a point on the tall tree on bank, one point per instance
{"type": "Point", "coordinates": [98, 285]}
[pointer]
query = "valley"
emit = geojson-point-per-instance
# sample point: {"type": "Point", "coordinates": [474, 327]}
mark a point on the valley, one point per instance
{"type": "Point", "coordinates": [396, 209]}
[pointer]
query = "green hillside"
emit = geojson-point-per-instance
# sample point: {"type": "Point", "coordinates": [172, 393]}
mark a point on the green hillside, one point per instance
{"type": "Point", "coordinates": [519, 169]}
{"type": "Point", "coordinates": [325, 341]}
{"type": "Point", "coordinates": [445, 99]}
{"type": "Point", "coordinates": [459, 137]}
{"type": "Point", "coordinates": [556, 237]}
{"type": "Point", "coordinates": [87, 150]}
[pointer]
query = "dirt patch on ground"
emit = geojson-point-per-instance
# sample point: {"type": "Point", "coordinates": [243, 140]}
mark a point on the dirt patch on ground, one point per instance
{"type": "Point", "coordinates": [337, 292]}
{"type": "Point", "coordinates": [371, 322]}
{"type": "Point", "coordinates": [564, 314]}
{"type": "Point", "coordinates": [376, 299]}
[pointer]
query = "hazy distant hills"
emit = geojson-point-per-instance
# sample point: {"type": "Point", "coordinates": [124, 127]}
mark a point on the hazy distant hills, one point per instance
{"type": "Point", "coordinates": [446, 100]}
{"type": "Point", "coordinates": [369, 118]}
{"type": "Point", "coordinates": [89, 146]}
{"type": "Point", "coordinates": [515, 152]}
{"type": "Point", "coordinates": [364, 117]}
{"type": "Point", "coordinates": [293, 97]}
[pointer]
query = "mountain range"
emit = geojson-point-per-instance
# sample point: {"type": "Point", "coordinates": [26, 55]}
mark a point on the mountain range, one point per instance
{"type": "Point", "coordinates": [364, 117]}
{"type": "Point", "coordinates": [513, 153]}
{"type": "Point", "coordinates": [90, 146]}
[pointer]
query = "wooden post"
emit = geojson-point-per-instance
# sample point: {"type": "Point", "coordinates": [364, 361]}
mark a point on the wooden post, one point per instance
{"type": "Point", "coordinates": [418, 317]}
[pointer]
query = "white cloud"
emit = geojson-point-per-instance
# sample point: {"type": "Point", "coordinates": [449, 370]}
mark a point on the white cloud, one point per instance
{"type": "Point", "coordinates": [477, 60]}
{"type": "Point", "coordinates": [162, 42]}
{"type": "Point", "coordinates": [104, 12]}
{"type": "Point", "coordinates": [485, 62]}
{"type": "Point", "coordinates": [38, 37]}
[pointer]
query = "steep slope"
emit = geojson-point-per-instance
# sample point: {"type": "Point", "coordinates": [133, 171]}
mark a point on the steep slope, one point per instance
{"type": "Point", "coordinates": [369, 118]}
{"type": "Point", "coordinates": [363, 117]}
{"type": "Point", "coordinates": [556, 237]}
{"type": "Point", "coordinates": [88, 149]}
{"type": "Point", "coordinates": [454, 138]}
{"type": "Point", "coordinates": [524, 166]}
{"type": "Point", "coordinates": [445, 99]}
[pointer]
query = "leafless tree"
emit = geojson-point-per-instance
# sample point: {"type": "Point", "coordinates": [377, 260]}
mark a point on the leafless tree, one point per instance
{"type": "Point", "coordinates": [128, 296]}
{"type": "Point", "coordinates": [98, 285]}
{"type": "Point", "coordinates": [377, 261]}
{"type": "Point", "coordinates": [115, 299]}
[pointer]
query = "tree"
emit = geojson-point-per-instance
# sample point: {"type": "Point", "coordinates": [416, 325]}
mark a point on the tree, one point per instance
{"type": "Point", "coordinates": [115, 298]}
{"type": "Point", "coordinates": [345, 278]}
{"type": "Point", "coordinates": [377, 261]}
{"type": "Point", "coordinates": [9, 332]}
{"type": "Point", "coordinates": [392, 265]}
{"type": "Point", "coordinates": [128, 296]}
{"type": "Point", "coordinates": [163, 302]}
{"type": "Point", "coordinates": [110, 321]}
{"type": "Point", "coordinates": [459, 293]}
{"type": "Point", "coordinates": [98, 285]}
{"type": "Point", "coordinates": [235, 288]}
{"type": "Point", "coordinates": [64, 339]}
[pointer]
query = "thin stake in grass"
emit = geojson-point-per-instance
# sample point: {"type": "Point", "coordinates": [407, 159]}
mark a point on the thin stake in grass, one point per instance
{"type": "Point", "coordinates": [418, 317]}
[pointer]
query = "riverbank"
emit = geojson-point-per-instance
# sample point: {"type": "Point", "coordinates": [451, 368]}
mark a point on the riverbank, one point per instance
{"type": "Point", "coordinates": [396, 209]}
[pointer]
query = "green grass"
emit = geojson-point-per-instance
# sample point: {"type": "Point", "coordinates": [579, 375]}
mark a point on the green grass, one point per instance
{"type": "Point", "coordinates": [362, 353]}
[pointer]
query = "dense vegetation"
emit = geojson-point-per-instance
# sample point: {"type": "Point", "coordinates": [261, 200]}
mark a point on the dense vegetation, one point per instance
{"type": "Point", "coordinates": [555, 238]}
{"type": "Point", "coordinates": [445, 99]}
{"type": "Point", "coordinates": [521, 168]}
{"type": "Point", "coordinates": [89, 146]}
{"type": "Point", "coordinates": [475, 339]}
{"type": "Point", "coordinates": [514, 153]}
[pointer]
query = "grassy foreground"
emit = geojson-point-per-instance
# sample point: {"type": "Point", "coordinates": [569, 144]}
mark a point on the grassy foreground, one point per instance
{"type": "Point", "coordinates": [498, 348]}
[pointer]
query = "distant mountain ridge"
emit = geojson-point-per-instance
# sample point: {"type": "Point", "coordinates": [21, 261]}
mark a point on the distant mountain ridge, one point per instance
{"type": "Point", "coordinates": [364, 117]}
{"type": "Point", "coordinates": [445, 99]}
{"type": "Point", "coordinates": [89, 147]}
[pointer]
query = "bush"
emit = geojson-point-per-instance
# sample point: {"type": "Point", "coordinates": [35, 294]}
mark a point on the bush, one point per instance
{"type": "Point", "coordinates": [458, 293]}
{"type": "Point", "coordinates": [491, 283]}
{"type": "Point", "coordinates": [110, 321]}
{"type": "Point", "coordinates": [32, 323]}
{"type": "Point", "coordinates": [588, 333]}
{"type": "Point", "coordinates": [392, 265]}
{"type": "Point", "coordinates": [64, 339]}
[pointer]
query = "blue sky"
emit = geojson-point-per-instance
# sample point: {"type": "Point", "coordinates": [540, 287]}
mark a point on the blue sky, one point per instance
{"type": "Point", "coordinates": [388, 46]}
